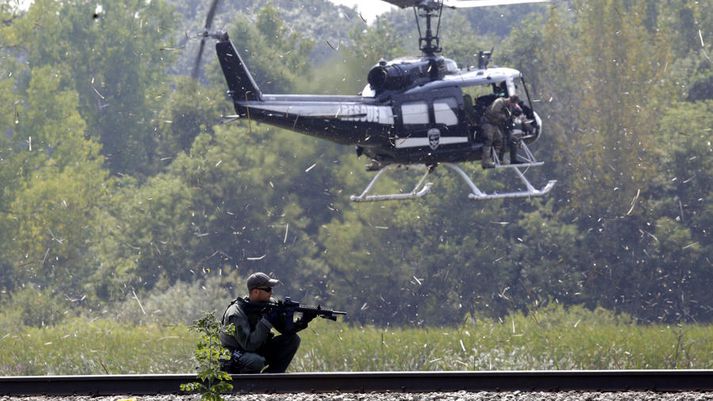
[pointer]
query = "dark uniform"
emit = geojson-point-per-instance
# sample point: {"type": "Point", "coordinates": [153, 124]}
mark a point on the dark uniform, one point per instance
{"type": "Point", "coordinates": [252, 344]}
{"type": "Point", "coordinates": [494, 120]}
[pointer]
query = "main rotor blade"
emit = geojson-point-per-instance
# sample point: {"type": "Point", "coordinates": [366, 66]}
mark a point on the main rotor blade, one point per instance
{"type": "Point", "coordinates": [433, 4]}
{"type": "Point", "coordinates": [211, 14]}
{"type": "Point", "coordinates": [197, 65]}
{"type": "Point", "coordinates": [487, 3]}
{"type": "Point", "coordinates": [404, 3]}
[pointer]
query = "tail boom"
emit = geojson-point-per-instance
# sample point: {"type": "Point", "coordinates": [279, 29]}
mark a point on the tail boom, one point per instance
{"type": "Point", "coordinates": [241, 85]}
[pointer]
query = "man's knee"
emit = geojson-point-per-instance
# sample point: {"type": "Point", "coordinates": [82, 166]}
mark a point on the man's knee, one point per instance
{"type": "Point", "coordinates": [289, 342]}
{"type": "Point", "coordinates": [251, 363]}
{"type": "Point", "coordinates": [295, 341]}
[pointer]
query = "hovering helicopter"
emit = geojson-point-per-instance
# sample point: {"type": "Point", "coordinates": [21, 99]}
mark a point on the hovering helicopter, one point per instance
{"type": "Point", "coordinates": [413, 111]}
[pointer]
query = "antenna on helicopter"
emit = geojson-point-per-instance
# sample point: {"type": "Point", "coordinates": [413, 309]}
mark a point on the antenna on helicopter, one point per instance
{"type": "Point", "coordinates": [484, 58]}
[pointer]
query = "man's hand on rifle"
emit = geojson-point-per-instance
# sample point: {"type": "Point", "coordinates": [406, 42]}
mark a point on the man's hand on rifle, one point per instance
{"type": "Point", "coordinates": [308, 316]}
{"type": "Point", "coordinates": [303, 321]}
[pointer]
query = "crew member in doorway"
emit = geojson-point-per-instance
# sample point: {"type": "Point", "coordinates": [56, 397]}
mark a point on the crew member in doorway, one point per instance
{"type": "Point", "coordinates": [494, 125]}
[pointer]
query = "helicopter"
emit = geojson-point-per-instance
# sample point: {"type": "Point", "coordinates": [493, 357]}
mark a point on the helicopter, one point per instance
{"type": "Point", "coordinates": [412, 111]}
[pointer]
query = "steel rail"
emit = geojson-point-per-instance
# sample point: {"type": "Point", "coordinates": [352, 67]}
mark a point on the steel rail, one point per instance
{"type": "Point", "coordinates": [362, 382]}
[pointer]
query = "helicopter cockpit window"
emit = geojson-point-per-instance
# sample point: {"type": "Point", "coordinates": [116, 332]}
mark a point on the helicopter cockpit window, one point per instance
{"type": "Point", "coordinates": [415, 113]}
{"type": "Point", "coordinates": [512, 89]}
{"type": "Point", "coordinates": [500, 89]}
{"type": "Point", "coordinates": [444, 110]}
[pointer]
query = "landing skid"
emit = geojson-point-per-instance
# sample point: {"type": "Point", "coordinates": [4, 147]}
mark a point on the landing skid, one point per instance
{"type": "Point", "coordinates": [422, 187]}
{"type": "Point", "coordinates": [477, 194]}
{"type": "Point", "coordinates": [418, 191]}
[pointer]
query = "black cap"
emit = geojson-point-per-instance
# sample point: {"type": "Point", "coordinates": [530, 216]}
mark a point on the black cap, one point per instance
{"type": "Point", "coordinates": [260, 279]}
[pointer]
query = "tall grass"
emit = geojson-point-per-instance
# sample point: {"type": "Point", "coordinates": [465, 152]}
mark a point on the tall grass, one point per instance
{"type": "Point", "coordinates": [547, 339]}
{"type": "Point", "coordinates": [82, 346]}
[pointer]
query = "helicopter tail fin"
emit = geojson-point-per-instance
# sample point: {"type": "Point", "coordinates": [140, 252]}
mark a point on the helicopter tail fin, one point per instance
{"type": "Point", "coordinates": [241, 84]}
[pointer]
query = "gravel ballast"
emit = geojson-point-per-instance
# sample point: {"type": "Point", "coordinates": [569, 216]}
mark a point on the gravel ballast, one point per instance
{"type": "Point", "coordinates": [457, 396]}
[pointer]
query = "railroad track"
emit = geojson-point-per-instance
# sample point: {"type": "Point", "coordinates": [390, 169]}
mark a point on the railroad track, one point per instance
{"type": "Point", "coordinates": [360, 382]}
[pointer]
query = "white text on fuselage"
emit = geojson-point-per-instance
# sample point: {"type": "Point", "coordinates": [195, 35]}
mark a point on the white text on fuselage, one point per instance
{"type": "Point", "coordinates": [366, 113]}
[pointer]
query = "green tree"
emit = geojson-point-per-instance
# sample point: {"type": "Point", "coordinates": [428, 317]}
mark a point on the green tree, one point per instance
{"type": "Point", "coordinates": [110, 57]}
{"type": "Point", "coordinates": [622, 69]}
{"type": "Point", "coordinates": [276, 57]}
{"type": "Point", "coordinates": [190, 110]}
{"type": "Point", "coordinates": [58, 183]}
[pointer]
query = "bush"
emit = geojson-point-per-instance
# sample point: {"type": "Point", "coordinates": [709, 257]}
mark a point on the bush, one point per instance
{"type": "Point", "coordinates": [33, 307]}
{"type": "Point", "coordinates": [182, 303]}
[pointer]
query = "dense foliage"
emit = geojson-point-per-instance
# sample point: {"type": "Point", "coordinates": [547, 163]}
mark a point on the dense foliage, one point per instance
{"type": "Point", "coordinates": [119, 184]}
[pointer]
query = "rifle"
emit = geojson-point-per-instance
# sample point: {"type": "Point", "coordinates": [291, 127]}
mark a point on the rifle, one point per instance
{"type": "Point", "coordinates": [287, 308]}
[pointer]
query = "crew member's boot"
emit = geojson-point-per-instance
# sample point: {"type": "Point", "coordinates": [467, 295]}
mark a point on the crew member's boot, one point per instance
{"type": "Point", "coordinates": [486, 158]}
{"type": "Point", "coordinates": [513, 153]}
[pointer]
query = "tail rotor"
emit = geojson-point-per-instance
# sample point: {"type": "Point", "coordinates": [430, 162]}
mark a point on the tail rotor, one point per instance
{"type": "Point", "coordinates": [205, 34]}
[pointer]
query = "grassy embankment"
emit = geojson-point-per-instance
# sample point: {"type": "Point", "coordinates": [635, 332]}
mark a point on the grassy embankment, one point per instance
{"type": "Point", "coordinates": [553, 339]}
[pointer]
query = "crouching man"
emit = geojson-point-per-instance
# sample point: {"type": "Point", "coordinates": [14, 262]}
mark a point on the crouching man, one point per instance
{"type": "Point", "coordinates": [252, 345]}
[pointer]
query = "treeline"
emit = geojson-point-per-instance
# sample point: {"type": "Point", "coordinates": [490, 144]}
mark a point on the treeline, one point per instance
{"type": "Point", "coordinates": [119, 182]}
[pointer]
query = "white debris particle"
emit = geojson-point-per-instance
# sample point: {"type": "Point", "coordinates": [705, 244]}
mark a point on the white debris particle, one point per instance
{"type": "Point", "coordinates": [139, 302]}
{"type": "Point", "coordinates": [633, 202]}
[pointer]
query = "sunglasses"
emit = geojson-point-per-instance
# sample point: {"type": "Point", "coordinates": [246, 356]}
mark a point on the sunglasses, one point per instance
{"type": "Point", "coordinates": [268, 289]}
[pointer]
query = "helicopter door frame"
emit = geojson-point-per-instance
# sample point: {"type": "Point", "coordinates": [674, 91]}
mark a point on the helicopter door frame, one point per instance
{"type": "Point", "coordinates": [436, 129]}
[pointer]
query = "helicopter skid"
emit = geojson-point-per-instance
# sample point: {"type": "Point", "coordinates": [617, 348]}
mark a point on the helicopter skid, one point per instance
{"type": "Point", "coordinates": [520, 165]}
{"type": "Point", "coordinates": [477, 194]}
{"type": "Point", "coordinates": [522, 194]}
{"type": "Point", "coordinates": [418, 191]}
{"type": "Point", "coordinates": [422, 187]}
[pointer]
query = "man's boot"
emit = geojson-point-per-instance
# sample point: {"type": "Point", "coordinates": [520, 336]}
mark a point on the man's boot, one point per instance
{"type": "Point", "coordinates": [486, 158]}
{"type": "Point", "coordinates": [513, 153]}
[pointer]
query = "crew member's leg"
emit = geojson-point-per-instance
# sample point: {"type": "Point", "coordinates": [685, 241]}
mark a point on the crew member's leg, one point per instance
{"type": "Point", "coordinates": [490, 133]}
{"type": "Point", "coordinates": [498, 145]}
